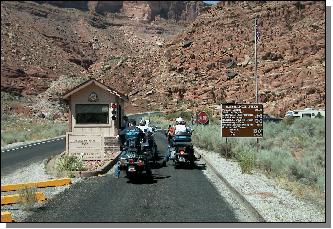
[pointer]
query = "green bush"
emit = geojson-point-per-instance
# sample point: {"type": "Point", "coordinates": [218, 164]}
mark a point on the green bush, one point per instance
{"type": "Point", "coordinates": [293, 150]}
{"type": "Point", "coordinates": [70, 163]}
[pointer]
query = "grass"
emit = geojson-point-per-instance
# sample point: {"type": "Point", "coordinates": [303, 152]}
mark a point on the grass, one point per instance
{"type": "Point", "coordinates": [159, 120]}
{"type": "Point", "coordinates": [184, 114]}
{"type": "Point", "coordinates": [21, 129]}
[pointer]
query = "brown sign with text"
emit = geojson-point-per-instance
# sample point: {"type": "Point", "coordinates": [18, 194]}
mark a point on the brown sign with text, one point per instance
{"type": "Point", "coordinates": [242, 120]}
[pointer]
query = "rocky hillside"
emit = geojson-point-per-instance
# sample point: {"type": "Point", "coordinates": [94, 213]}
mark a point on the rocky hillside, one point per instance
{"type": "Point", "coordinates": [212, 61]}
{"type": "Point", "coordinates": [48, 48]}
{"type": "Point", "coordinates": [138, 10]}
{"type": "Point", "coordinates": [165, 55]}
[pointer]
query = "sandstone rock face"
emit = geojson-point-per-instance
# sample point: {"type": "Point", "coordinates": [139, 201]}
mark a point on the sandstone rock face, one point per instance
{"type": "Point", "coordinates": [163, 64]}
{"type": "Point", "coordinates": [81, 5]}
{"type": "Point", "coordinates": [103, 7]}
{"type": "Point", "coordinates": [290, 55]}
{"type": "Point", "coordinates": [138, 10]}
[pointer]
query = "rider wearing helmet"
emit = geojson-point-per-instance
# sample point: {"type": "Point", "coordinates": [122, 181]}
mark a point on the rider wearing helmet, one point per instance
{"type": "Point", "coordinates": [142, 125]}
{"type": "Point", "coordinates": [180, 126]}
{"type": "Point", "coordinates": [131, 132]}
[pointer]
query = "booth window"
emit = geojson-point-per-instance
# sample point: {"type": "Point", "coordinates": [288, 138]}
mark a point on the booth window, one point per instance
{"type": "Point", "coordinates": [92, 113]}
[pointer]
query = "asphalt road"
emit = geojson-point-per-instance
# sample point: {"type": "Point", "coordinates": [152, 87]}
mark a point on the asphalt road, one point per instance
{"type": "Point", "coordinates": [23, 156]}
{"type": "Point", "coordinates": [174, 195]}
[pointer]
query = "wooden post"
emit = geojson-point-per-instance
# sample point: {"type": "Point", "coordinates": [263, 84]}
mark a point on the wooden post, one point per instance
{"type": "Point", "coordinates": [70, 118]}
{"type": "Point", "coordinates": [257, 145]}
{"type": "Point", "coordinates": [226, 148]}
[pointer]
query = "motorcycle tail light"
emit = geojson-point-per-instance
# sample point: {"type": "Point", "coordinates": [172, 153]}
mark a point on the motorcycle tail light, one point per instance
{"type": "Point", "coordinates": [140, 163]}
{"type": "Point", "coordinates": [131, 161]}
{"type": "Point", "coordinates": [181, 152]}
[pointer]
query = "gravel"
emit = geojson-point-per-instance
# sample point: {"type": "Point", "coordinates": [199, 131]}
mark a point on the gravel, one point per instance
{"type": "Point", "coordinates": [241, 213]}
{"type": "Point", "coordinates": [33, 172]}
{"type": "Point", "coordinates": [272, 202]}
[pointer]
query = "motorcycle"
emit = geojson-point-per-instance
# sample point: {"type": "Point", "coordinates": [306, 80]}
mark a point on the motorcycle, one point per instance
{"type": "Point", "coordinates": [181, 150]}
{"type": "Point", "coordinates": [136, 160]}
{"type": "Point", "coordinates": [151, 147]}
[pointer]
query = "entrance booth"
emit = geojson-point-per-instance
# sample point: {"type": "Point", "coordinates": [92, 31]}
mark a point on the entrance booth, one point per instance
{"type": "Point", "coordinates": [96, 113]}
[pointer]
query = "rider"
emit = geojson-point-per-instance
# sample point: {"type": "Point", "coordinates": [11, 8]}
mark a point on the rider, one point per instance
{"type": "Point", "coordinates": [180, 126]}
{"type": "Point", "coordinates": [131, 132]}
{"type": "Point", "coordinates": [148, 131]}
{"type": "Point", "coordinates": [171, 132]}
{"type": "Point", "coordinates": [144, 127]}
{"type": "Point", "coordinates": [179, 129]}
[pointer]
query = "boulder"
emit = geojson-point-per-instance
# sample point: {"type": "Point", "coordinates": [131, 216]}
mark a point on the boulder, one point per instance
{"type": "Point", "coordinates": [272, 56]}
{"type": "Point", "coordinates": [186, 44]}
{"type": "Point", "coordinates": [231, 75]}
{"type": "Point", "coordinates": [246, 61]}
{"type": "Point", "coordinates": [150, 92]}
{"type": "Point", "coordinates": [231, 63]}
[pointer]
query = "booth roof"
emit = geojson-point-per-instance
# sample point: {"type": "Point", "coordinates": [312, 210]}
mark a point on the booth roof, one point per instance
{"type": "Point", "coordinates": [94, 81]}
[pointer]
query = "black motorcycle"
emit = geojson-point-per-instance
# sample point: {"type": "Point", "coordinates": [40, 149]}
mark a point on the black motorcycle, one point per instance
{"type": "Point", "coordinates": [151, 147]}
{"type": "Point", "coordinates": [136, 159]}
{"type": "Point", "coordinates": [181, 150]}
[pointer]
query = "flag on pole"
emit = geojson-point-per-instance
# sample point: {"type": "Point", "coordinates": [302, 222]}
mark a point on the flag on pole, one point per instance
{"type": "Point", "coordinates": [257, 33]}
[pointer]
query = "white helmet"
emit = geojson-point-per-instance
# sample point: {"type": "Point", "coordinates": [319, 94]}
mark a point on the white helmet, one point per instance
{"type": "Point", "coordinates": [179, 120]}
{"type": "Point", "coordinates": [142, 123]}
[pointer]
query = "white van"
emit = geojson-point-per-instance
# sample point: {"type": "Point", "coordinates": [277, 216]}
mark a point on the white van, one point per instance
{"type": "Point", "coordinates": [307, 112]}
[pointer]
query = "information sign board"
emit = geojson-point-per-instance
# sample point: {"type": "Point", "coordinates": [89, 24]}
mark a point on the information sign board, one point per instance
{"type": "Point", "coordinates": [88, 147]}
{"type": "Point", "coordinates": [242, 120]}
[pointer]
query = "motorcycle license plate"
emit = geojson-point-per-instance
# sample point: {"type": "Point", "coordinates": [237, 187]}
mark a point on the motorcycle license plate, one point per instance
{"type": "Point", "coordinates": [131, 169]}
{"type": "Point", "coordinates": [181, 159]}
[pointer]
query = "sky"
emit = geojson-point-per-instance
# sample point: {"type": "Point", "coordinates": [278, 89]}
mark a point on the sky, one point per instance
{"type": "Point", "coordinates": [211, 2]}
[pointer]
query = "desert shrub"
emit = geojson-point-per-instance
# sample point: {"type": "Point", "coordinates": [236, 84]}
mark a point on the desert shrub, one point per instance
{"type": "Point", "coordinates": [244, 153]}
{"type": "Point", "coordinates": [184, 114]}
{"type": "Point", "coordinates": [289, 120]}
{"type": "Point", "coordinates": [276, 161]}
{"type": "Point", "coordinates": [27, 197]}
{"type": "Point", "coordinates": [278, 148]}
{"type": "Point", "coordinates": [20, 129]}
{"type": "Point", "coordinates": [70, 163]}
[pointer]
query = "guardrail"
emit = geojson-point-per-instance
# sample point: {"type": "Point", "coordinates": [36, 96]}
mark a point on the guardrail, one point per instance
{"type": "Point", "coordinates": [39, 184]}
{"type": "Point", "coordinates": [16, 198]}
{"type": "Point", "coordinates": [6, 217]}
